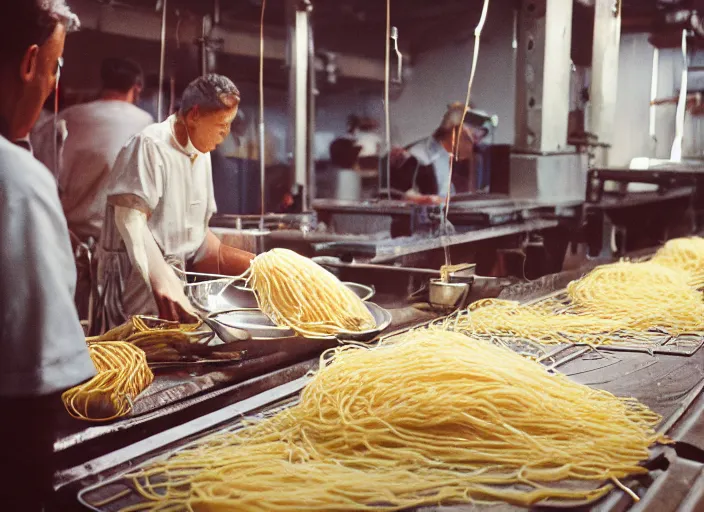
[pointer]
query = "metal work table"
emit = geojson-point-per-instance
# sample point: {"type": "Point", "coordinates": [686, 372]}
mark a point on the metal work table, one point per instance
{"type": "Point", "coordinates": [670, 384]}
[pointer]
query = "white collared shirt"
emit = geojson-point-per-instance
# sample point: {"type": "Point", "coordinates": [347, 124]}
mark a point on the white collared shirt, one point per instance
{"type": "Point", "coordinates": [176, 184]}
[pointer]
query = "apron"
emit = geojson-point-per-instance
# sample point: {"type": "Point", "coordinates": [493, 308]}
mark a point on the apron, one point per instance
{"type": "Point", "coordinates": [121, 291]}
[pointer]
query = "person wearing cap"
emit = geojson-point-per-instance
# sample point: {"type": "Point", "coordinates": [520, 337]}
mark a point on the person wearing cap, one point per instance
{"type": "Point", "coordinates": [424, 167]}
{"type": "Point", "coordinates": [160, 200]}
{"type": "Point", "coordinates": [42, 345]}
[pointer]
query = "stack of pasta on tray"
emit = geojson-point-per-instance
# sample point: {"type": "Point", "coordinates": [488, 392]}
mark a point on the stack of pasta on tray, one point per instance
{"type": "Point", "coordinates": [614, 303]}
{"type": "Point", "coordinates": [426, 417]}
{"type": "Point", "coordinates": [445, 415]}
{"type": "Point", "coordinates": [121, 357]}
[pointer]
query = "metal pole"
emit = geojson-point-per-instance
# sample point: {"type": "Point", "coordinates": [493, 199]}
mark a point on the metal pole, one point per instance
{"type": "Point", "coordinates": [312, 91]}
{"type": "Point", "coordinates": [387, 115]}
{"type": "Point", "coordinates": [301, 120]}
{"type": "Point", "coordinates": [262, 132]}
{"type": "Point", "coordinates": [162, 63]}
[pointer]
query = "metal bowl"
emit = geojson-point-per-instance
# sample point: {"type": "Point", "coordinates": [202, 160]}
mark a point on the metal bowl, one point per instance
{"type": "Point", "coordinates": [260, 326]}
{"type": "Point", "coordinates": [227, 294]}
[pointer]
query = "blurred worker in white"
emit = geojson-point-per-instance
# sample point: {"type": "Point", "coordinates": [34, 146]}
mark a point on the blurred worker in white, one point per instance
{"type": "Point", "coordinates": [97, 131]}
{"type": "Point", "coordinates": [42, 346]}
{"type": "Point", "coordinates": [162, 196]}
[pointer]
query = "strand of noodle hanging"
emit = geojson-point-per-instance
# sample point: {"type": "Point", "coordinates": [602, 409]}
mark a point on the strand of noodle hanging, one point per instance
{"type": "Point", "coordinates": [296, 292]}
{"type": "Point", "coordinates": [123, 374]}
{"type": "Point", "coordinates": [457, 135]}
{"type": "Point", "coordinates": [433, 418]}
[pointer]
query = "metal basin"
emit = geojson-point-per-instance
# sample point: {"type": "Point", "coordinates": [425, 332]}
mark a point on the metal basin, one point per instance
{"type": "Point", "coordinates": [259, 326]}
{"type": "Point", "coordinates": [225, 295]}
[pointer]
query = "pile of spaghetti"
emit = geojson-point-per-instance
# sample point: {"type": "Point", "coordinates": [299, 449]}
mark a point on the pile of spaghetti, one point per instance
{"type": "Point", "coordinates": [161, 340]}
{"type": "Point", "coordinates": [296, 292]}
{"type": "Point", "coordinates": [684, 254]}
{"type": "Point", "coordinates": [640, 296]}
{"type": "Point", "coordinates": [123, 374]}
{"type": "Point", "coordinates": [613, 303]}
{"type": "Point", "coordinates": [430, 417]}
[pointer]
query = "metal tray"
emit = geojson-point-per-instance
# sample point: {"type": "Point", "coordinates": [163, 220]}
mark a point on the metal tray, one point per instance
{"type": "Point", "coordinates": [260, 326]}
{"type": "Point", "coordinates": [117, 492]}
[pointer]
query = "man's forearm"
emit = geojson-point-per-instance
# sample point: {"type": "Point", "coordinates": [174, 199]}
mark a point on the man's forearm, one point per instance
{"type": "Point", "coordinates": [214, 257]}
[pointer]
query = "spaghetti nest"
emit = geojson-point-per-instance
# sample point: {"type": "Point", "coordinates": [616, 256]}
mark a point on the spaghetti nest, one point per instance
{"type": "Point", "coordinates": [546, 324]}
{"type": "Point", "coordinates": [684, 254]}
{"type": "Point", "coordinates": [432, 417]}
{"type": "Point", "coordinates": [122, 375]}
{"type": "Point", "coordinates": [641, 296]}
{"type": "Point", "coordinates": [296, 292]}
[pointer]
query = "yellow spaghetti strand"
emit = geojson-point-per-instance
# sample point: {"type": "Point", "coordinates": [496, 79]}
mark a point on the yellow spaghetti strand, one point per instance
{"type": "Point", "coordinates": [685, 254]}
{"type": "Point", "coordinates": [430, 417]}
{"type": "Point", "coordinates": [640, 296]}
{"type": "Point", "coordinates": [122, 375]}
{"type": "Point", "coordinates": [296, 292]}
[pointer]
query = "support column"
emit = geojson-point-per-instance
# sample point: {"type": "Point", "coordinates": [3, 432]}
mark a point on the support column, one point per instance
{"type": "Point", "coordinates": [543, 75]}
{"type": "Point", "coordinates": [604, 79]}
{"type": "Point", "coordinates": [543, 166]}
{"type": "Point", "coordinates": [299, 93]}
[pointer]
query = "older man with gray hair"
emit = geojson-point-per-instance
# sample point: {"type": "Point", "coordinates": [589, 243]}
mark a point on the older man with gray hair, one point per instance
{"type": "Point", "coordinates": [160, 201]}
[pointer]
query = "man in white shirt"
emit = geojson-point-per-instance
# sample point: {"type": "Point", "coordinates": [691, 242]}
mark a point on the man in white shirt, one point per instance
{"type": "Point", "coordinates": [96, 133]}
{"type": "Point", "coordinates": [42, 347]}
{"type": "Point", "coordinates": [161, 198]}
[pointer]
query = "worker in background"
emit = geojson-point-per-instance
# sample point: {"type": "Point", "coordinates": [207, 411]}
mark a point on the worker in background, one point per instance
{"type": "Point", "coordinates": [42, 346]}
{"type": "Point", "coordinates": [424, 167]}
{"type": "Point", "coordinates": [96, 131]}
{"type": "Point", "coordinates": [364, 131]}
{"type": "Point", "coordinates": [161, 197]}
{"type": "Point", "coordinates": [345, 176]}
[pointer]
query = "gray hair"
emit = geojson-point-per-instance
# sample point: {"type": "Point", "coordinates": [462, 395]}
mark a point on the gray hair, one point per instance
{"type": "Point", "coordinates": [210, 93]}
{"type": "Point", "coordinates": [29, 22]}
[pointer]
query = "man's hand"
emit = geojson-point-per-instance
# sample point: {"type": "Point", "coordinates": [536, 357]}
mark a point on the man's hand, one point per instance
{"type": "Point", "coordinates": [170, 298]}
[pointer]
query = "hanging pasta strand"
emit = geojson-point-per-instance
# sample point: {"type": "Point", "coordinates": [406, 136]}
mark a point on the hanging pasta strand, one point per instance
{"type": "Point", "coordinates": [432, 417]}
{"type": "Point", "coordinates": [296, 292]}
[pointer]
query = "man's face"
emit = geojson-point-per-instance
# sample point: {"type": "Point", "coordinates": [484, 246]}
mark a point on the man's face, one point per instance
{"type": "Point", "coordinates": [39, 70]}
{"type": "Point", "coordinates": [207, 130]}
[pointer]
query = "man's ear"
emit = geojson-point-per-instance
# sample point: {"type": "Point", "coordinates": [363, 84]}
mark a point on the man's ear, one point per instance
{"type": "Point", "coordinates": [193, 114]}
{"type": "Point", "coordinates": [28, 65]}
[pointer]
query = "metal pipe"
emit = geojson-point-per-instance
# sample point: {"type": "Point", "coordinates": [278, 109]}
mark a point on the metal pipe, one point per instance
{"type": "Point", "coordinates": [162, 64]}
{"type": "Point", "coordinates": [262, 132]}
{"type": "Point", "coordinates": [301, 115]}
{"type": "Point", "coordinates": [312, 91]}
{"type": "Point", "coordinates": [387, 114]}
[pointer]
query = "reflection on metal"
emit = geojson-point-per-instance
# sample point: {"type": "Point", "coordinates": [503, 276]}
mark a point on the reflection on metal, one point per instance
{"type": "Point", "coordinates": [653, 92]}
{"type": "Point", "coordinates": [676, 153]}
{"type": "Point", "coordinates": [399, 56]}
